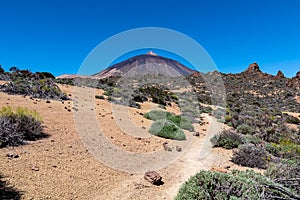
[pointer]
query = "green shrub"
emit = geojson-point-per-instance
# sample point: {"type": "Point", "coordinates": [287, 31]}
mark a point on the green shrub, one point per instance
{"type": "Point", "coordinates": [167, 129]}
{"type": "Point", "coordinates": [287, 173]}
{"type": "Point", "coordinates": [207, 185]}
{"type": "Point", "coordinates": [207, 109]}
{"type": "Point", "coordinates": [18, 126]}
{"type": "Point", "coordinates": [181, 121]}
{"type": "Point", "coordinates": [285, 149]}
{"type": "Point", "coordinates": [227, 118]}
{"type": "Point", "coordinates": [252, 139]}
{"type": "Point", "coordinates": [139, 98]}
{"type": "Point", "coordinates": [227, 139]}
{"type": "Point", "coordinates": [45, 75]}
{"type": "Point", "coordinates": [219, 113]}
{"type": "Point", "coordinates": [245, 129]}
{"type": "Point", "coordinates": [37, 88]}
{"type": "Point", "coordinates": [157, 114]}
{"type": "Point", "coordinates": [250, 155]}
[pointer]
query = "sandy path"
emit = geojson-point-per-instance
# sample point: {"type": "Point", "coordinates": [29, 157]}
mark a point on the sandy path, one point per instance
{"type": "Point", "coordinates": [199, 156]}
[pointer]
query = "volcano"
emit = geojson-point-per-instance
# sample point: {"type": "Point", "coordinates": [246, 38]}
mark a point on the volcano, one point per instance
{"type": "Point", "coordinates": [144, 64]}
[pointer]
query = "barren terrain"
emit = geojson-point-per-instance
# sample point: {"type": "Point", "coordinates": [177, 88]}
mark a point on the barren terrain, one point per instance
{"type": "Point", "coordinates": [60, 167]}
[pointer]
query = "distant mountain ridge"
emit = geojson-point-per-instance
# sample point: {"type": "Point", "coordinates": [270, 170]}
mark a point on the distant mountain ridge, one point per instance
{"type": "Point", "coordinates": [152, 63]}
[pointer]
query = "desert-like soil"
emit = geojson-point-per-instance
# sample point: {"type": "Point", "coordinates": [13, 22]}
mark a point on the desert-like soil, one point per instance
{"type": "Point", "coordinates": [61, 167]}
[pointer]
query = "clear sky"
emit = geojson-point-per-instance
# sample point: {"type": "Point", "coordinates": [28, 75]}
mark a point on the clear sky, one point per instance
{"type": "Point", "coordinates": [57, 35]}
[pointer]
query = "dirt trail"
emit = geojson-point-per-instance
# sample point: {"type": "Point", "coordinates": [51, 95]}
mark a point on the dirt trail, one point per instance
{"type": "Point", "coordinates": [199, 156]}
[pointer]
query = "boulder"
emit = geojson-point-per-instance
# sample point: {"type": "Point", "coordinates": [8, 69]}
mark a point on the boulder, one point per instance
{"type": "Point", "coordinates": [153, 177]}
{"type": "Point", "coordinates": [197, 134]}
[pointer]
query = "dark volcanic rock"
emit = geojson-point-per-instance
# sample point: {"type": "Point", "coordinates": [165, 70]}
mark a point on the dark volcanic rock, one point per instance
{"type": "Point", "coordinates": [279, 75]}
{"type": "Point", "coordinates": [295, 82]}
{"type": "Point", "coordinates": [253, 68]}
{"type": "Point", "coordinates": [153, 177]}
{"type": "Point", "coordinates": [297, 76]}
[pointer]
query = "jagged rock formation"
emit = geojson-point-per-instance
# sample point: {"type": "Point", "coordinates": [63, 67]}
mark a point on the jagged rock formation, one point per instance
{"type": "Point", "coordinates": [279, 75]}
{"type": "Point", "coordinates": [295, 82]}
{"type": "Point", "coordinates": [253, 68]}
{"type": "Point", "coordinates": [253, 86]}
{"type": "Point", "coordinates": [297, 76]}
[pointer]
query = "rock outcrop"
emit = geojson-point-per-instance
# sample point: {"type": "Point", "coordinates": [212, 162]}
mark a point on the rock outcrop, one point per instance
{"type": "Point", "coordinates": [295, 81]}
{"type": "Point", "coordinates": [253, 68]}
{"type": "Point", "coordinates": [297, 76]}
{"type": "Point", "coordinates": [279, 75]}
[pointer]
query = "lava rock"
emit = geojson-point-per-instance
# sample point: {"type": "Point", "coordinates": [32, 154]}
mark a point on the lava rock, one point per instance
{"type": "Point", "coordinates": [153, 177]}
{"type": "Point", "coordinates": [196, 134]}
{"type": "Point", "coordinates": [12, 155]}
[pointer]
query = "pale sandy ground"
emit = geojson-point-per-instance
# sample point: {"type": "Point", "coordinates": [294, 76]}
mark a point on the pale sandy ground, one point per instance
{"type": "Point", "coordinates": [297, 99]}
{"type": "Point", "coordinates": [60, 167]}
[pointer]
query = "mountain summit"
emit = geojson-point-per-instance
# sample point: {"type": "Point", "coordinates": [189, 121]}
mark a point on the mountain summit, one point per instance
{"type": "Point", "coordinates": [144, 64]}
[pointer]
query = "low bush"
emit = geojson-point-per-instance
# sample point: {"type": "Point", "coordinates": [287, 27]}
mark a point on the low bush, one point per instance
{"type": "Point", "coordinates": [207, 185]}
{"type": "Point", "coordinates": [37, 88]}
{"type": "Point", "coordinates": [17, 127]}
{"type": "Point", "coordinates": [181, 121]}
{"type": "Point", "coordinates": [287, 173]}
{"type": "Point", "coordinates": [285, 149]}
{"type": "Point", "coordinates": [250, 155]}
{"type": "Point", "coordinates": [134, 104]}
{"type": "Point", "coordinates": [206, 109]}
{"type": "Point", "coordinates": [167, 129]}
{"type": "Point", "coordinates": [157, 114]}
{"type": "Point", "coordinates": [227, 139]}
{"type": "Point", "coordinates": [245, 129]}
{"type": "Point", "coordinates": [219, 113]}
{"type": "Point", "coordinates": [252, 139]}
{"type": "Point", "coordinates": [227, 118]}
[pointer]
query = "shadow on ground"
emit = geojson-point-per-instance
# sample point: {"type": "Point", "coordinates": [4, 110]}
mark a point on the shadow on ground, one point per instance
{"type": "Point", "coordinates": [8, 192]}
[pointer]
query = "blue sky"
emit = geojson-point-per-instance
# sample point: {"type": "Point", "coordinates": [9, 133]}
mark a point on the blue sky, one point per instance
{"type": "Point", "coordinates": [56, 36]}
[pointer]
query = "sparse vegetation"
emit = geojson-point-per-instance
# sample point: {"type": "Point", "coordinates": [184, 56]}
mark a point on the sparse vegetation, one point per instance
{"type": "Point", "coordinates": [38, 85]}
{"type": "Point", "coordinates": [227, 139]}
{"type": "Point", "coordinates": [167, 129]}
{"type": "Point", "coordinates": [237, 185]}
{"type": "Point", "coordinates": [250, 155]}
{"type": "Point", "coordinates": [19, 126]}
{"type": "Point", "coordinates": [181, 121]}
{"type": "Point", "coordinates": [287, 173]}
{"type": "Point", "coordinates": [245, 129]}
